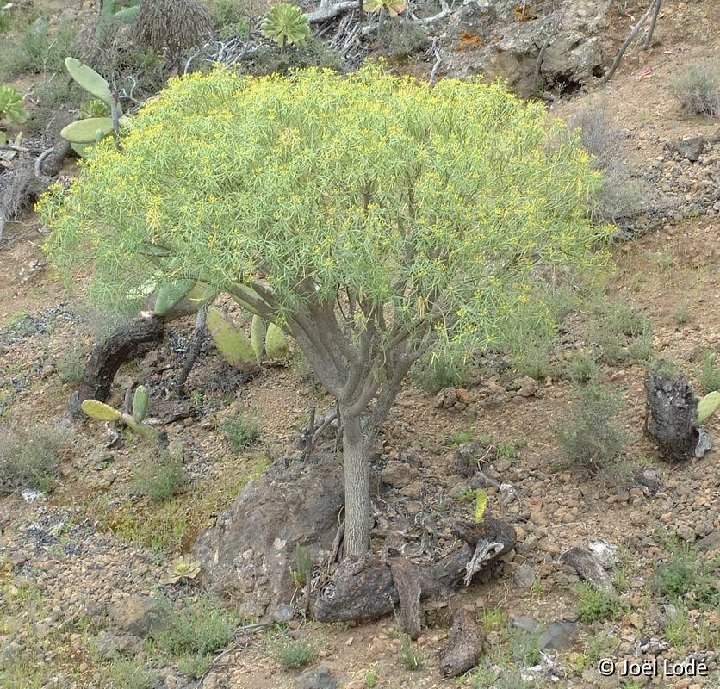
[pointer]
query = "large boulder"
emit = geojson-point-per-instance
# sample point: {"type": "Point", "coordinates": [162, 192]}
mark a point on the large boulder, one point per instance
{"type": "Point", "coordinates": [250, 555]}
{"type": "Point", "coordinates": [559, 47]}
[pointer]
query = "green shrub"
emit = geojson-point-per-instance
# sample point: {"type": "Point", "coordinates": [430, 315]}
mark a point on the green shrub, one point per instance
{"type": "Point", "coordinates": [241, 432]}
{"type": "Point", "coordinates": [590, 440]}
{"type": "Point", "coordinates": [685, 574]}
{"type": "Point", "coordinates": [30, 459]}
{"type": "Point", "coordinates": [293, 654]}
{"type": "Point", "coordinates": [199, 628]}
{"type": "Point", "coordinates": [710, 377]}
{"type": "Point", "coordinates": [410, 656]}
{"type": "Point", "coordinates": [594, 604]}
{"type": "Point", "coordinates": [401, 37]}
{"type": "Point", "coordinates": [621, 194]}
{"type": "Point", "coordinates": [131, 674]}
{"type": "Point", "coordinates": [622, 333]}
{"type": "Point", "coordinates": [277, 61]}
{"type": "Point", "coordinates": [698, 90]}
{"type": "Point", "coordinates": [160, 477]}
{"type": "Point", "coordinates": [582, 368]}
{"type": "Point", "coordinates": [71, 367]}
{"type": "Point", "coordinates": [36, 50]}
{"type": "Point", "coordinates": [194, 666]}
{"type": "Point", "coordinates": [438, 371]}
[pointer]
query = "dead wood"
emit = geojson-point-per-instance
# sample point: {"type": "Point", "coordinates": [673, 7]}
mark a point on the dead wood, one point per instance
{"type": "Point", "coordinates": [367, 589]}
{"type": "Point", "coordinates": [464, 646]}
{"type": "Point", "coordinates": [407, 582]}
{"type": "Point", "coordinates": [127, 342]}
{"type": "Point", "coordinates": [672, 416]}
{"type": "Point", "coordinates": [588, 568]}
{"type": "Point", "coordinates": [654, 7]}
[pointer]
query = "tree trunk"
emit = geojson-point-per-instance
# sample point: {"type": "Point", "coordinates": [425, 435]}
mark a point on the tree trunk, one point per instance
{"type": "Point", "coordinates": [357, 444]}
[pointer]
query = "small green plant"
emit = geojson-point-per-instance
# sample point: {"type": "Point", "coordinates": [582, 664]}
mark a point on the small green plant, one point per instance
{"type": "Point", "coordinates": [686, 574]}
{"type": "Point", "coordinates": [710, 376]}
{"type": "Point", "coordinates": [698, 90]}
{"type": "Point", "coordinates": [11, 105]}
{"type": "Point", "coordinates": [681, 313]}
{"type": "Point", "coordinates": [507, 450]}
{"type": "Point", "coordinates": [293, 654]}
{"type": "Point", "coordinates": [241, 432]}
{"type": "Point", "coordinates": [160, 477]}
{"type": "Point", "coordinates": [30, 460]}
{"type": "Point", "coordinates": [183, 567]}
{"type": "Point", "coordinates": [582, 368]}
{"type": "Point", "coordinates": [95, 108]}
{"type": "Point", "coordinates": [590, 440]}
{"type": "Point", "coordinates": [462, 437]}
{"type": "Point", "coordinates": [194, 666]}
{"type": "Point", "coordinates": [594, 604]}
{"type": "Point", "coordinates": [200, 627]}
{"type": "Point", "coordinates": [286, 25]}
{"type": "Point", "coordinates": [437, 371]}
{"type": "Point", "coordinates": [523, 647]}
{"type": "Point", "coordinates": [131, 674]}
{"type": "Point", "coordinates": [71, 367]}
{"type": "Point", "coordinates": [410, 656]}
{"type": "Point", "coordinates": [493, 619]}
{"type": "Point", "coordinates": [371, 679]}
{"type": "Point", "coordinates": [392, 7]}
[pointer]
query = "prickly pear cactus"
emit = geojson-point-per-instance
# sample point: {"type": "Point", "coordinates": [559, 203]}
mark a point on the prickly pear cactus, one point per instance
{"type": "Point", "coordinates": [707, 406]}
{"type": "Point", "coordinates": [100, 411]}
{"type": "Point", "coordinates": [141, 400]}
{"type": "Point", "coordinates": [88, 79]}
{"type": "Point", "coordinates": [276, 344]}
{"type": "Point", "coordinates": [88, 131]}
{"type": "Point", "coordinates": [170, 294]}
{"type": "Point", "coordinates": [233, 345]}
{"type": "Point", "coordinates": [257, 336]}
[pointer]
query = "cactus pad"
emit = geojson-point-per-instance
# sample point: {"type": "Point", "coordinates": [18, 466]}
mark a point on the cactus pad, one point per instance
{"type": "Point", "coordinates": [233, 345]}
{"type": "Point", "coordinates": [276, 344]}
{"type": "Point", "coordinates": [708, 406]}
{"type": "Point", "coordinates": [100, 412]}
{"type": "Point", "coordinates": [87, 78]}
{"type": "Point", "coordinates": [140, 403]}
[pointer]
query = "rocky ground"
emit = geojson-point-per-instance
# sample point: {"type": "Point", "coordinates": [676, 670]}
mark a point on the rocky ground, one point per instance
{"type": "Point", "coordinates": [83, 569]}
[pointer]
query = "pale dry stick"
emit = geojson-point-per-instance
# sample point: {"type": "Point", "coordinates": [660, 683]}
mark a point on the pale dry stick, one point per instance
{"type": "Point", "coordinates": [438, 60]}
{"type": "Point", "coordinates": [631, 37]}
{"type": "Point", "coordinates": [653, 21]}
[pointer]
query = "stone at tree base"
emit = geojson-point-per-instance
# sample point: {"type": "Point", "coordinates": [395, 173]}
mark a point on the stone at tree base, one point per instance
{"type": "Point", "coordinates": [250, 554]}
{"type": "Point", "coordinates": [464, 646]}
{"type": "Point", "coordinates": [527, 624]}
{"type": "Point", "coordinates": [319, 678]}
{"type": "Point", "coordinates": [360, 590]}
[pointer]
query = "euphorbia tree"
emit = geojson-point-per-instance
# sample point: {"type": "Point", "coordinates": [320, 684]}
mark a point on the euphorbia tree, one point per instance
{"type": "Point", "coordinates": [371, 216]}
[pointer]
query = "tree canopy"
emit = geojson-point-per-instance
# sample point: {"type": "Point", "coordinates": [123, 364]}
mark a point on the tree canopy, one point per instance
{"type": "Point", "coordinates": [372, 215]}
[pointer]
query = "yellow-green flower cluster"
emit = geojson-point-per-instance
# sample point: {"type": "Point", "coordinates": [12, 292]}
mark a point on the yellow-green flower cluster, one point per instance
{"type": "Point", "coordinates": [414, 197]}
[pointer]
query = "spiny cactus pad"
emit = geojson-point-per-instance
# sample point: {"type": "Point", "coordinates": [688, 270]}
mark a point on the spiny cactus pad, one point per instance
{"type": "Point", "coordinates": [286, 25]}
{"type": "Point", "coordinates": [99, 411]}
{"type": "Point", "coordinates": [481, 503]}
{"type": "Point", "coordinates": [276, 344]}
{"type": "Point", "coordinates": [87, 131]}
{"type": "Point", "coordinates": [141, 400]}
{"type": "Point", "coordinates": [233, 345]}
{"type": "Point", "coordinates": [170, 293]}
{"type": "Point", "coordinates": [87, 78]}
{"type": "Point", "coordinates": [257, 336]}
{"type": "Point", "coordinates": [708, 406]}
